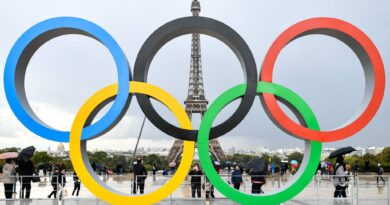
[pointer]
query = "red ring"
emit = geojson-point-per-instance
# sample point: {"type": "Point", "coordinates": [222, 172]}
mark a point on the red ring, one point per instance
{"type": "Point", "coordinates": [335, 25]}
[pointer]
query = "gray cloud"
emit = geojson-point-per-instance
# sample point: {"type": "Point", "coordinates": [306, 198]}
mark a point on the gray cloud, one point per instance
{"type": "Point", "coordinates": [67, 70]}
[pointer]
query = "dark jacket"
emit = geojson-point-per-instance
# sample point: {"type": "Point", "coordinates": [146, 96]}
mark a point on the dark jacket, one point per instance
{"type": "Point", "coordinates": [58, 179]}
{"type": "Point", "coordinates": [257, 178]}
{"type": "Point", "coordinates": [379, 171]}
{"type": "Point", "coordinates": [196, 176]}
{"type": "Point", "coordinates": [236, 177]}
{"type": "Point", "coordinates": [76, 178]}
{"type": "Point", "coordinates": [54, 179]}
{"type": "Point", "coordinates": [26, 169]}
{"type": "Point", "coordinates": [139, 172]}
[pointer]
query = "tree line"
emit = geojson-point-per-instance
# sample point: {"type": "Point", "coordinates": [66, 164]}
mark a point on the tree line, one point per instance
{"type": "Point", "coordinates": [111, 161]}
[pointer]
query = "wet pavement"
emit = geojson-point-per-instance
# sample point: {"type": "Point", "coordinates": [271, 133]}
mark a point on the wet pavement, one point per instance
{"type": "Point", "coordinates": [363, 191]}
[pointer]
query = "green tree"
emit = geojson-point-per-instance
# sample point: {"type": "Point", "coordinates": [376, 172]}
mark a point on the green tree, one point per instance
{"type": "Point", "coordinates": [242, 158]}
{"type": "Point", "coordinates": [384, 157]}
{"type": "Point", "coordinates": [276, 159]}
{"type": "Point", "coordinates": [11, 149]}
{"type": "Point", "coordinates": [159, 161]}
{"type": "Point", "coordinates": [266, 157]}
{"type": "Point", "coordinates": [99, 157]}
{"type": "Point", "coordinates": [41, 157]}
{"type": "Point", "coordinates": [295, 156]}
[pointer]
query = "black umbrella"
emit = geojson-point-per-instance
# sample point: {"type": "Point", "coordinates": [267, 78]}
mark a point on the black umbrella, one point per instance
{"type": "Point", "coordinates": [257, 165]}
{"type": "Point", "coordinates": [26, 153]}
{"type": "Point", "coordinates": [342, 151]}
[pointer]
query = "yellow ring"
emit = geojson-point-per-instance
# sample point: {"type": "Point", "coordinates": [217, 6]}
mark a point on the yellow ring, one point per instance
{"type": "Point", "coordinates": [85, 176]}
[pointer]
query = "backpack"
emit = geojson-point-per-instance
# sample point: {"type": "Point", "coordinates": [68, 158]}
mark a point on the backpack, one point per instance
{"type": "Point", "coordinates": [339, 180]}
{"type": "Point", "coordinates": [381, 171]}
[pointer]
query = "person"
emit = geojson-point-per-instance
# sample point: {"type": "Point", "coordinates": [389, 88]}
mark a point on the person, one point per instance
{"type": "Point", "coordinates": [41, 170]}
{"type": "Point", "coordinates": [217, 166]}
{"type": "Point", "coordinates": [196, 180]}
{"type": "Point", "coordinates": [355, 169]}
{"type": "Point", "coordinates": [8, 178]}
{"type": "Point", "coordinates": [367, 165]}
{"type": "Point", "coordinates": [16, 177]}
{"type": "Point", "coordinates": [54, 182]}
{"type": "Point", "coordinates": [119, 169]}
{"type": "Point", "coordinates": [379, 172]}
{"type": "Point", "coordinates": [237, 178]}
{"type": "Point", "coordinates": [258, 180]}
{"type": "Point", "coordinates": [93, 165]}
{"type": "Point", "coordinates": [330, 169]}
{"type": "Point", "coordinates": [44, 170]}
{"type": "Point", "coordinates": [209, 189]}
{"type": "Point", "coordinates": [339, 180]}
{"type": "Point", "coordinates": [273, 169]}
{"type": "Point", "coordinates": [173, 168]}
{"type": "Point", "coordinates": [269, 169]}
{"type": "Point", "coordinates": [104, 172]}
{"type": "Point", "coordinates": [154, 171]}
{"type": "Point", "coordinates": [62, 178]}
{"type": "Point", "coordinates": [77, 184]}
{"type": "Point", "coordinates": [50, 168]}
{"type": "Point", "coordinates": [140, 175]}
{"type": "Point", "coordinates": [26, 170]}
{"type": "Point", "coordinates": [347, 181]}
{"type": "Point", "coordinates": [283, 168]}
{"type": "Point", "coordinates": [208, 186]}
{"type": "Point", "coordinates": [293, 169]}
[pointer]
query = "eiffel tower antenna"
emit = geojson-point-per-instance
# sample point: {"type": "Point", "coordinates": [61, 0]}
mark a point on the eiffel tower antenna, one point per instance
{"type": "Point", "coordinates": [196, 101]}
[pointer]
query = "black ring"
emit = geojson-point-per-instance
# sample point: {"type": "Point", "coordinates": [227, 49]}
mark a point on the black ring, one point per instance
{"type": "Point", "coordinates": [202, 25]}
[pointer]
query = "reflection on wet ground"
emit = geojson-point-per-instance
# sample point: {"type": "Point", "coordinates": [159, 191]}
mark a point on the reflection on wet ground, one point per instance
{"type": "Point", "coordinates": [363, 189]}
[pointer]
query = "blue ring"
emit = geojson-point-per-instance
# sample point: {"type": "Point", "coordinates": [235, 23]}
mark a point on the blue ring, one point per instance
{"type": "Point", "coordinates": [21, 53]}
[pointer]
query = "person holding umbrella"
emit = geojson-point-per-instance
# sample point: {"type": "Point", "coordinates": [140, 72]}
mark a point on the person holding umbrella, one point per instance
{"type": "Point", "coordinates": [26, 170]}
{"type": "Point", "coordinates": [340, 179]}
{"type": "Point", "coordinates": [8, 178]}
{"type": "Point", "coordinates": [257, 169]}
{"type": "Point", "coordinates": [294, 166]}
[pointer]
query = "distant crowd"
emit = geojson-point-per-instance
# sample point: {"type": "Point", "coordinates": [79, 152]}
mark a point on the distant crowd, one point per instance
{"type": "Point", "coordinates": [25, 173]}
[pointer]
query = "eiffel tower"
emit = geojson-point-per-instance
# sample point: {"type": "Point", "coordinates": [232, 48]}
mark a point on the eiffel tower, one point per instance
{"type": "Point", "coordinates": [196, 101]}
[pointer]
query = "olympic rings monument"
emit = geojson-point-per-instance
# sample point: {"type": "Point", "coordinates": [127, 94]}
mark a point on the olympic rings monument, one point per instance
{"type": "Point", "coordinates": [133, 82]}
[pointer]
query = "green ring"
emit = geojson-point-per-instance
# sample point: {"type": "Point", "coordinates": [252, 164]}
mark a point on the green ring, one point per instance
{"type": "Point", "coordinates": [312, 148]}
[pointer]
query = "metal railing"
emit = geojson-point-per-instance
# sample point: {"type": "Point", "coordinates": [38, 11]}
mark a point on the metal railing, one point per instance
{"type": "Point", "coordinates": [361, 188]}
{"type": "Point", "coordinates": [33, 187]}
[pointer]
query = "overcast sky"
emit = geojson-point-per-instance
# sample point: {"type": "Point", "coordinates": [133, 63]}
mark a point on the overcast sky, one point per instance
{"type": "Point", "coordinates": [69, 69]}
